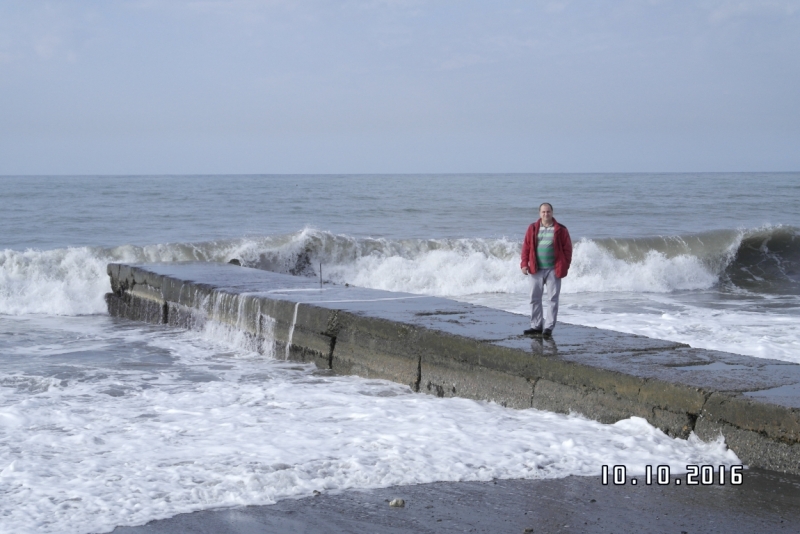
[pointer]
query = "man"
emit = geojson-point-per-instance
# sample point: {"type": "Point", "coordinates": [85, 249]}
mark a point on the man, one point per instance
{"type": "Point", "coordinates": [546, 256]}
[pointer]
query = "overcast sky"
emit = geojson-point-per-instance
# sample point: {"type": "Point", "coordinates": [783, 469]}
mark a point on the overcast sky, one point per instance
{"type": "Point", "coordinates": [396, 86]}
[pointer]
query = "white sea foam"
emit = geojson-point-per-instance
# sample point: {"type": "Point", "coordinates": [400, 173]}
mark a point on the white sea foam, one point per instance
{"type": "Point", "coordinates": [73, 281]}
{"type": "Point", "coordinates": [125, 446]}
{"type": "Point", "coordinates": [595, 269]}
{"type": "Point", "coordinates": [67, 281]}
{"type": "Point", "coordinates": [445, 272]}
{"type": "Point", "coordinates": [740, 328]}
{"type": "Point", "coordinates": [469, 270]}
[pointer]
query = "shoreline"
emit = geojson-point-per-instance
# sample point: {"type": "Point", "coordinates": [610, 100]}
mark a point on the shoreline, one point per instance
{"type": "Point", "coordinates": [765, 502]}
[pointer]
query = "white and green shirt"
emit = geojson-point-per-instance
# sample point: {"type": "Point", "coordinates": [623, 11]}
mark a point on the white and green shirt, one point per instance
{"type": "Point", "coordinates": [545, 253]}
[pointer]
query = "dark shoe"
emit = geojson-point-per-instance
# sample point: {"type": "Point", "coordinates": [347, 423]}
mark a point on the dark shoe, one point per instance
{"type": "Point", "coordinates": [547, 333]}
{"type": "Point", "coordinates": [533, 332]}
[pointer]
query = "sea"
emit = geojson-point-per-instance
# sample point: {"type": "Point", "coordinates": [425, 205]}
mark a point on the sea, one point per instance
{"type": "Point", "coordinates": [107, 422]}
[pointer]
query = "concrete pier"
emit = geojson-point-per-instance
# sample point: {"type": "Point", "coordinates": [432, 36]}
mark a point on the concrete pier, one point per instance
{"type": "Point", "coordinates": [448, 348]}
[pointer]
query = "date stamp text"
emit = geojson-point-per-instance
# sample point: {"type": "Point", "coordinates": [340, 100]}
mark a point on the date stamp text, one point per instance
{"type": "Point", "coordinates": [696, 475]}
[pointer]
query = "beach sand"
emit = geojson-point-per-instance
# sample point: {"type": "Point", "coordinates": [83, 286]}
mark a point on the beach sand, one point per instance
{"type": "Point", "coordinates": [766, 502]}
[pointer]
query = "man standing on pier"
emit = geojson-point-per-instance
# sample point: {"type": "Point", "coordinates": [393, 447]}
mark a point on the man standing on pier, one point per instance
{"type": "Point", "coordinates": [546, 256]}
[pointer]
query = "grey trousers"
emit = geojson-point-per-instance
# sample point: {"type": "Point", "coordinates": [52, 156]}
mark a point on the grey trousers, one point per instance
{"type": "Point", "coordinates": [544, 284]}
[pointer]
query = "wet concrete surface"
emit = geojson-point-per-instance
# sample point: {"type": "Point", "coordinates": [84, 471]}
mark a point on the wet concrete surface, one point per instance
{"type": "Point", "coordinates": [764, 380]}
{"type": "Point", "coordinates": [765, 502]}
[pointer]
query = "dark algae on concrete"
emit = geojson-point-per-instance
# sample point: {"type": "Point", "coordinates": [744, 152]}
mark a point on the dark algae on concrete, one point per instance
{"type": "Point", "coordinates": [447, 348]}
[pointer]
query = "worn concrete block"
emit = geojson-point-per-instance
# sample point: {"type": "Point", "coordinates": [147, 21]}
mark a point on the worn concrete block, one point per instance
{"type": "Point", "coordinates": [774, 421]}
{"type": "Point", "coordinates": [317, 319]}
{"type": "Point", "coordinates": [751, 447]}
{"type": "Point", "coordinates": [184, 317]}
{"type": "Point", "coordinates": [146, 292]}
{"type": "Point", "coordinates": [355, 331]}
{"type": "Point", "coordinates": [675, 424]}
{"type": "Point", "coordinates": [461, 379]}
{"type": "Point", "coordinates": [592, 403]}
{"type": "Point", "coordinates": [362, 356]}
{"type": "Point", "coordinates": [672, 397]}
{"type": "Point", "coordinates": [583, 376]}
{"type": "Point", "coordinates": [299, 353]}
{"type": "Point", "coordinates": [606, 407]}
{"type": "Point", "coordinates": [135, 308]}
{"type": "Point", "coordinates": [319, 344]}
{"type": "Point", "coordinates": [281, 312]}
{"type": "Point", "coordinates": [443, 347]}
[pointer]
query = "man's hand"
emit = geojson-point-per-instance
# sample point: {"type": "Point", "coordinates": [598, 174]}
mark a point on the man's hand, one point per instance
{"type": "Point", "coordinates": [525, 271]}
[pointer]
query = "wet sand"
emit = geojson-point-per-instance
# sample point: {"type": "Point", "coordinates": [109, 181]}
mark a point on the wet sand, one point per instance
{"type": "Point", "coordinates": [765, 502]}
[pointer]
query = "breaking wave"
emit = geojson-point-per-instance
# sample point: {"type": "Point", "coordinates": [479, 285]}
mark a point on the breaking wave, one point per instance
{"type": "Point", "coordinates": [72, 281]}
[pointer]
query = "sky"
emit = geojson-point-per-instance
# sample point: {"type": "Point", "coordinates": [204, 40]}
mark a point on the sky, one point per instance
{"type": "Point", "coordinates": [398, 86]}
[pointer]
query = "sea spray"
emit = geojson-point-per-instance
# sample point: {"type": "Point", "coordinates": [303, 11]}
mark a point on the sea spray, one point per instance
{"type": "Point", "coordinates": [72, 281]}
{"type": "Point", "coordinates": [596, 269]}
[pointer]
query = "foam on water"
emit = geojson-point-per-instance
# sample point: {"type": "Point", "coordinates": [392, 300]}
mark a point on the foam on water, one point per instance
{"type": "Point", "coordinates": [677, 289]}
{"type": "Point", "coordinates": [468, 269]}
{"type": "Point", "coordinates": [220, 426]}
{"type": "Point", "coordinates": [692, 274]}
{"type": "Point", "coordinates": [73, 281]}
{"type": "Point", "coordinates": [595, 269]}
{"type": "Point", "coordinates": [740, 328]}
{"type": "Point", "coordinates": [212, 423]}
{"type": "Point", "coordinates": [68, 281]}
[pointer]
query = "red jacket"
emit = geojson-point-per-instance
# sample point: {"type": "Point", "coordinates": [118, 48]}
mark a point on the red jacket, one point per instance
{"type": "Point", "coordinates": [562, 246]}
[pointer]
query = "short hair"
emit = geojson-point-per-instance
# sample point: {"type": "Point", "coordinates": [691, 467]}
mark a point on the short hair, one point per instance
{"type": "Point", "coordinates": [545, 204]}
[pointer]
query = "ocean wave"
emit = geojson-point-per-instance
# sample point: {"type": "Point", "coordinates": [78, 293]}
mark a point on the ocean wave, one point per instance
{"type": "Point", "coordinates": [767, 260]}
{"type": "Point", "coordinates": [72, 281]}
{"type": "Point", "coordinates": [763, 260]}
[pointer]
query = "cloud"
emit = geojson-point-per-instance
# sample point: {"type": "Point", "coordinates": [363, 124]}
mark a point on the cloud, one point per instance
{"type": "Point", "coordinates": [209, 6]}
{"type": "Point", "coordinates": [43, 32]}
{"type": "Point", "coordinates": [740, 8]}
{"type": "Point", "coordinates": [47, 46]}
{"type": "Point", "coordinates": [463, 60]}
{"type": "Point", "coordinates": [556, 7]}
{"type": "Point", "coordinates": [390, 71]}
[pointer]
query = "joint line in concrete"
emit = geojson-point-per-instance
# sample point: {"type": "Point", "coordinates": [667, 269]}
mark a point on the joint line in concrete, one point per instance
{"type": "Point", "coordinates": [291, 331]}
{"type": "Point", "coordinates": [535, 381]}
{"type": "Point", "coordinates": [297, 306]}
{"type": "Point", "coordinates": [298, 290]}
{"type": "Point", "coordinates": [368, 300]}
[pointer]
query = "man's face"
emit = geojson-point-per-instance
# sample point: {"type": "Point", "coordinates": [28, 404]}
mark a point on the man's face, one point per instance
{"type": "Point", "coordinates": [546, 214]}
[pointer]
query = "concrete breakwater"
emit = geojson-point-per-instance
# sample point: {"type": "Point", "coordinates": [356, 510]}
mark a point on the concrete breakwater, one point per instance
{"type": "Point", "coordinates": [448, 348]}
